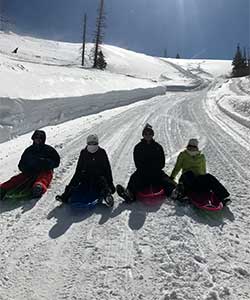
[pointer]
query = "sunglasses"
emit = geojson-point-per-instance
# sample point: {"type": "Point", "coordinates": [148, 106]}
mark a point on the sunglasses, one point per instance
{"type": "Point", "coordinates": [92, 143]}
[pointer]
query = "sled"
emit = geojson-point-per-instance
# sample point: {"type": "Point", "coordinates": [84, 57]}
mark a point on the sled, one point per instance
{"type": "Point", "coordinates": [206, 201]}
{"type": "Point", "coordinates": [151, 195]}
{"type": "Point", "coordinates": [83, 200]}
{"type": "Point", "coordinates": [21, 192]}
{"type": "Point", "coordinates": [20, 195]}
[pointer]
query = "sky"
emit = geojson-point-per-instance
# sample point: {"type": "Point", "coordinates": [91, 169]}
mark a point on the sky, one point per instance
{"type": "Point", "coordinates": [192, 28]}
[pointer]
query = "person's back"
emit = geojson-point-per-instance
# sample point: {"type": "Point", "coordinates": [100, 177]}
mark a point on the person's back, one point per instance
{"type": "Point", "coordinates": [149, 157]}
{"type": "Point", "coordinates": [191, 159]}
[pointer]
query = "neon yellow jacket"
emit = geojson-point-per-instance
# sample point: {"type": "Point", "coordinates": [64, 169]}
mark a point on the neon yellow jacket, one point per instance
{"type": "Point", "coordinates": [186, 162]}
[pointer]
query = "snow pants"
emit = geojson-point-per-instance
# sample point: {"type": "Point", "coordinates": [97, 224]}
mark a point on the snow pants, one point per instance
{"type": "Point", "coordinates": [139, 181]}
{"type": "Point", "coordinates": [203, 183]}
{"type": "Point", "coordinates": [43, 178]}
{"type": "Point", "coordinates": [98, 185]}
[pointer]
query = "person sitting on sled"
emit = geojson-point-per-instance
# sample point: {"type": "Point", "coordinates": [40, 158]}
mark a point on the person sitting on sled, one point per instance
{"type": "Point", "coordinates": [194, 178]}
{"type": "Point", "coordinates": [36, 166]}
{"type": "Point", "coordinates": [149, 161]}
{"type": "Point", "coordinates": [93, 173]}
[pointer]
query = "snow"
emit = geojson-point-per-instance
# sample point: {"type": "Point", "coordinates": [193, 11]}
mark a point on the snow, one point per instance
{"type": "Point", "coordinates": [136, 252]}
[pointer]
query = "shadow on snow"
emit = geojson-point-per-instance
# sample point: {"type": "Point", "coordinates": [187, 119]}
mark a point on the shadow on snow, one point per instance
{"type": "Point", "coordinates": [66, 216]}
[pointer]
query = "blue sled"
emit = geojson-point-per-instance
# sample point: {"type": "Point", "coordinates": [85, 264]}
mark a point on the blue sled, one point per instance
{"type": "Point", "coordinates": [81, 199]}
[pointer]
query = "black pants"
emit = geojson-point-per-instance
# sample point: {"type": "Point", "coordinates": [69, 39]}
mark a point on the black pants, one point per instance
{"type": "Point", "coordinates": [203, 183]}
{"type": "Point", "coordinates": [98, 185]}
{"type": "Point", "coordinates": [138, 181]}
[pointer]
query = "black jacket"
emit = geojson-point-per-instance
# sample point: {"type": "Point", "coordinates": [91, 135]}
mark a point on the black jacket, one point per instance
{"type": "Point", "coordinates": [149, 158]}
{"type": "Point", "coordinates": [38, 158]}
{"type": "Point", "coordinates": [92, 166]}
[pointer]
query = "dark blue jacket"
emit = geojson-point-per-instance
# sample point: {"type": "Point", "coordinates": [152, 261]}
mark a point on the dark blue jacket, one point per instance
{"type": "Point", "coordinates": [38, 158]}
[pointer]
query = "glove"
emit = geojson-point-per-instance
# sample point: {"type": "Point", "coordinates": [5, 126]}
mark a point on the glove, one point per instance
{"type": "Point", "coordinates": [112, 188]}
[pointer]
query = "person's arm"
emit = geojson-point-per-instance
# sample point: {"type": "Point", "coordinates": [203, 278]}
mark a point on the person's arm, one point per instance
{"type": "Point", "coordinates": [203, 165]}
{"type": "Point", "coordinates": [108, 170]}
{"type": "Point", "coordinates": [177, 167]}
{"type": "Point", "coordinates": [52, 160]}
{"type": "Point", "coordinates": [79, 172]}
{"type": "Point", "coordinates": [28, 163]}
{"type": "Point", "coordinates": [162, 158]}
{"type": "Point", "coordinates": [138, 158]}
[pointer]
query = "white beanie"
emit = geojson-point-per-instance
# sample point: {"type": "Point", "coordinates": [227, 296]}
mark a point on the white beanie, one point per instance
{"type": "Point", "coordinates": [193, 142]}
{"type": "Point", "coordinates": [92, 138]}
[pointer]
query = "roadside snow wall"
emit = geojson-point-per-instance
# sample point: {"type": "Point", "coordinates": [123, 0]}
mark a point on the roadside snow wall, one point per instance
{"type": "Point", "coordinates": [19, 116]}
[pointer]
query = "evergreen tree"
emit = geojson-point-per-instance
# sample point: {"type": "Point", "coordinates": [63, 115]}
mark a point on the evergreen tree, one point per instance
{"type": "Point", "coordinates": [178, 55]}
{"type": "Point", "coordinates": [239, 64]}
{"type": "Point", "coordinates": [99, 33]}
{"type": "Point", "coordinates": [100, 62]}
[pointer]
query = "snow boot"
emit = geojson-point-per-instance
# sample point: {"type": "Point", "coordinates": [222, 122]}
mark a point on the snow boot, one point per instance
{"type": "Point", "coordinates": [178, 192]}
{"type": "Point", "coordinates": [124, 193]}
{"type": "Point", "coordinates": [37, 191]}
{"type": "Point", "coordinates": [226, 201]}
{"type": "Point", "coordinates": [109, 200]}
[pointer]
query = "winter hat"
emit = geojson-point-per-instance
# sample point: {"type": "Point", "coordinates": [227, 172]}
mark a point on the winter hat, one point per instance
{"type": "Point", "coordinates": [193, 143]}
{"type": "Point", "coordinates": [147, 128]}
{"type": "Point", "coordinates": [40, 134]}
{"type": "Point", "coordinates": [92, 138]}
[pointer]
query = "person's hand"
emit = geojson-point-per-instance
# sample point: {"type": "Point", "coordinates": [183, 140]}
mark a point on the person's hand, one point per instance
{"type": "Point", "coordinates": [112, 188]}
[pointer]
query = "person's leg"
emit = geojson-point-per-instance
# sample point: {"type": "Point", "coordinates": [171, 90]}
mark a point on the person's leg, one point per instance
{"type": "Point", "coordinates": [104, 191]}
{"type": "Point", "coordinates": [188, 180]}
{"type": "Point", "coordinates": [102, 186]}
{"type": "Point", "coordinates": [42, 183]}
{"type": "Point", "coordinates": [136, 183]}
{"type": "Point", "coordinates": [167, 184]}
{"type": "Point", "coordinates": [213, 184]}
{"type": "Point", "coordinates": [129, 194]}
{"type": "Point", "coordinates": [15, 182]}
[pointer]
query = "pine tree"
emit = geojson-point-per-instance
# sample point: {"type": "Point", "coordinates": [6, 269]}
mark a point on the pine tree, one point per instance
{"type": "Point", "coordinates": [99, 34]}
{"type": "Point", "coordinates": [178, 55]}
{"type": "Point", "coordinates": [101, 63]}
{"type": "Point", "coordinates": [239, 64]}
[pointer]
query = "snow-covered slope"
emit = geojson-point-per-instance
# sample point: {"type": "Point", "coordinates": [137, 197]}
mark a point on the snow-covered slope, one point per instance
{"type": "Point", "coordinates": [130, 252]}
{"type": "Point", "coordinates": [50, 72]}
{"type": "Point", "coordinates": [46, 69]}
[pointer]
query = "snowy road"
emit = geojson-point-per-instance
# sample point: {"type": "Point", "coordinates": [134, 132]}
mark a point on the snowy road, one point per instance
{"type": "Point", "coordinates": [133, 252]}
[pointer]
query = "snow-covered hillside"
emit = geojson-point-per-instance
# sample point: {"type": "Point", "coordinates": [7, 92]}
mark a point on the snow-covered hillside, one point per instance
{"type": "Point", "coordinates": [130, 252]}
{"type": "Point", "coordinates": [51, 70]}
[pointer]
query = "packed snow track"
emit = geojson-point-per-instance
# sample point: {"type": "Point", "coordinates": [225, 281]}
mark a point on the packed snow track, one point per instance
{"type": "Point", "coordinates": [132, 252]}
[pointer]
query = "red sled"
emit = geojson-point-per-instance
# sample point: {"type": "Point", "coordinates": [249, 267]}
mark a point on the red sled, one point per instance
{"type": "Point", "coordinates": [206, 201]}
{"type": "Point", "coordinates": [151, 195]}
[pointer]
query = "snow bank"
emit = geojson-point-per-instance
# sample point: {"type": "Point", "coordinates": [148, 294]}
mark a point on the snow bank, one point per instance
{"type": "Point", "coordinates": [20, 116]}
{"type": "Point", "coordinates": [233, 98]}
